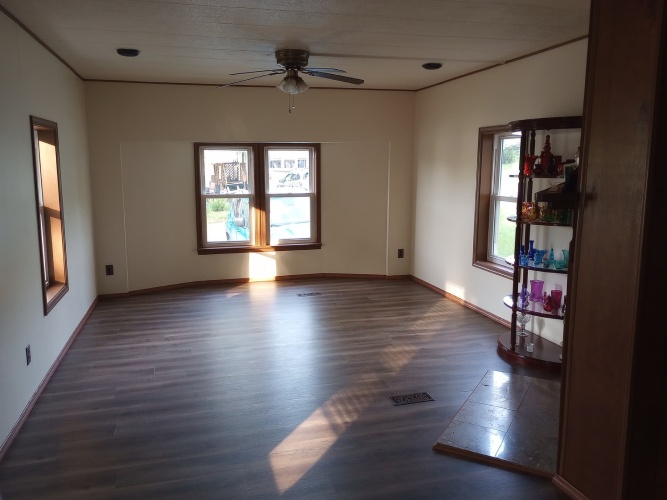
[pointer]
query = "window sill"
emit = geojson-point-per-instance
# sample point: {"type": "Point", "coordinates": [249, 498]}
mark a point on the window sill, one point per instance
{"type": "Point", "coordinates": [53, 294]}
{"type": "Point", "coordinates": [249, 249]}
{"type": "Point", "coordinates": [492, 267]}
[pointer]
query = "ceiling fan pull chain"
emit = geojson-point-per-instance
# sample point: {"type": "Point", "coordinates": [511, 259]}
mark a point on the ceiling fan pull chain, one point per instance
{"type": "Point", "coordinates": [290, 103]}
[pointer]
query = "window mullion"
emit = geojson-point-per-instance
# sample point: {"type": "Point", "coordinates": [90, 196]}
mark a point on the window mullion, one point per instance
{"type": "Point", "coordinates": [259, 214]}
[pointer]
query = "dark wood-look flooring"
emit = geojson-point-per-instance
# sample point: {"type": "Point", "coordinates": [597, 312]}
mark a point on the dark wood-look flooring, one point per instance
{"type": "Point", "coordinates": [251, 391]}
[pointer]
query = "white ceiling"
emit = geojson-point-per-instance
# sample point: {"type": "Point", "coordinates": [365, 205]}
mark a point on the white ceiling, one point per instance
{"type": "Point", "coordinates": [383, 42]}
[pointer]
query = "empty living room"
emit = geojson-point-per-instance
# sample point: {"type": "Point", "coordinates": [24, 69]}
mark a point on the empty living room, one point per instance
{"type": "Point", "coordinates": [332, 250]}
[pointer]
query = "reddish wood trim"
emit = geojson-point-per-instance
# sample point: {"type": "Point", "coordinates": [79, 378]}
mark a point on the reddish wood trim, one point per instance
{"type": "Point", "coordinates": [51, 303]}
{"type": "Point", "coordinates": [246, 249]}
{"type": "Point", "coordinates": [547, 49]}
{"type": "Point", "coordinates": [259, 199]}
{"type": "Point", "coordinates": [552, 47]}
{"type": "Point", "coordinates": [479, 457]}
{"type": "Point", "coordinates": [39, 41]}
{"type": "Point", "coordinates": [461, 301]}
{"type": "Point", "coordinates": [40, 124]}
{"type": "Point", "coordinates": [493, 268]}
{"type": "Point", "coordinates": [318, 190]}
{"type": "Point", "coordinates": [567, 488]}
{"type": "Point", "coordinates": [480, 246]}
{"type": "Point", "coordinates": [38, 392]}
{"type": "Point", "coordinates": [198, 197]}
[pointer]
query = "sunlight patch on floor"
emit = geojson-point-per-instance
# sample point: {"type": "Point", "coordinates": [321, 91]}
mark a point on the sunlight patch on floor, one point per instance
{"type": "Point", "coordinates": [308, 443]}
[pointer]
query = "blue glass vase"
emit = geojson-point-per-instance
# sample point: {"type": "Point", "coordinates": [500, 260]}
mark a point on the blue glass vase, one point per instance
{"type": "Point", "coordinates": [531, 250]}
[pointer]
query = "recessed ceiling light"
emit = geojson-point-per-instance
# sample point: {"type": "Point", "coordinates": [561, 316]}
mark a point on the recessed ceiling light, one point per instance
{"type": "Point", "coordinates": [128, 52]}
{"type": "Point", "coordinates": [432, 65]}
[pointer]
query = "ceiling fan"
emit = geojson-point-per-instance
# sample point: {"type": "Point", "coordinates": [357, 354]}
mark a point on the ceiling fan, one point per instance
{"type": "Point", "coordinates": [292, 62]}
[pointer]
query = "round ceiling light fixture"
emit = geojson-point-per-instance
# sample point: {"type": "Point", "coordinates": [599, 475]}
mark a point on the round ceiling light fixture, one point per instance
{"type": "Point", "coordinates": [128, 52]}
{"type": "Point", "coordinates": [432, 65]}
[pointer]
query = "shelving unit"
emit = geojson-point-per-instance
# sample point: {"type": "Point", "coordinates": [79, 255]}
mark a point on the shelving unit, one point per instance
{"type": "Point", "coordinates": [544, 354]}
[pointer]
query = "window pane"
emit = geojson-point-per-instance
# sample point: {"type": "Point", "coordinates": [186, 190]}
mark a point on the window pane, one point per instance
{"type": "Point", "coordinates": [290, 170]}
{"type": "Point", "coordinates": [509, 165]}
{"type": "Point", "coordinates": [227, 219]}
{"type": "Point", "coordinates": [225, 171]}
{"type": "Point", "coordinates": [504, 230]}
{"type": "Point", "coordinates": [289, 218]}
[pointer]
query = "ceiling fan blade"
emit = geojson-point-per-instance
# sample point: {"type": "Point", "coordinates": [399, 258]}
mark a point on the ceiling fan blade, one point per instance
{"type": "Point", "coordinates": [328, 70]}
{"type": "Point", "coordinates": [259, 71]}
{"type": "Point", "coordinates": [340, 78]}
{"type": "Point", "coordinates": [248, 79]}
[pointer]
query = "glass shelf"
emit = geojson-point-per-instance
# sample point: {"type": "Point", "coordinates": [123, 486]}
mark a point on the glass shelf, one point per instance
{"type": "Point", "coordinates": [510, 261]}
{"type": "Point", "coordinates": [533, 308]}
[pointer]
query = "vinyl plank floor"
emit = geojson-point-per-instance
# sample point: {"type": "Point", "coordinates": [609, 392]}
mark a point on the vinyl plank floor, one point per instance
{"type": "Point", "coordinates": [252, 391]}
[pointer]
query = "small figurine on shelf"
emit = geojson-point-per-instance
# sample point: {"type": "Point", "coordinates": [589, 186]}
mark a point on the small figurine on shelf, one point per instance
{"type": "Point", "coordinates": [546, 157]}
{"type": "Point", "coordinates": [537, 166]}
{"type": "Point", "coordinates": [547, 303]}
{"type": "Point", "coordinates": [528, 164]}
{"type": "Point", "coordinates": [524, 297]}
{"type": "Point", "coordinates": [523, 257]}
{"type": "Point", "coordinates": [539, 255]}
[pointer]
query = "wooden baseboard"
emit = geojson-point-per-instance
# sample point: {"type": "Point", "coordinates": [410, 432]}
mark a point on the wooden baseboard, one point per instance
{"type": "Point", "coordinates": [26, 411]}
{"type": "Point", "coordinates": [464, 303]}
{"type": "Point", "coordinates": [567, 488]}
{"type": "Point", "coordinates": [234, 281]}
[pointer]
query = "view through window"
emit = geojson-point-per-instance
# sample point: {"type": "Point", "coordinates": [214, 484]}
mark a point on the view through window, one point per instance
{"type": "Point", "coordinates": [503, 197]}
{"type": "Point", "coordinates": [257, 196]}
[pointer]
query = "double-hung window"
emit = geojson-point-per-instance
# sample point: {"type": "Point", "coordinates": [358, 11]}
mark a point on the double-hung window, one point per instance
{"type": "Point", "coordinates": [497, 186]}
{"type": "Point", "coordinates": [503, 197]}
{"type": "Point", "coordinates": [255, 197]}
{"type": "Point", "coordinates": [50, 218]}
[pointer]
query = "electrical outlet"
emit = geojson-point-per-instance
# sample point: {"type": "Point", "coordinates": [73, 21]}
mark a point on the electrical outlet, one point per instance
{"type": "Point", "coordinates": [401, 253]}
{"type": "Point", "coordinates": [109, 269]}
{"type": "Point", "coordinates": [28, 358]}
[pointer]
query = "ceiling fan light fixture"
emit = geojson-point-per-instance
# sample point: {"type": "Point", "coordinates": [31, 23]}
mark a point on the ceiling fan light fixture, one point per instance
{"type": "Point", "coordinates": [292, 85]}
{"type": "Point", "coordinates": [288, 85]}
{"type": "Point", "coordinates": [301, 86]}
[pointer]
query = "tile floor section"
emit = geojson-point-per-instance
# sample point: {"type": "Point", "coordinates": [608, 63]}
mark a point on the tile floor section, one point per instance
{"type": "Point", "coordinates": [510, 418]}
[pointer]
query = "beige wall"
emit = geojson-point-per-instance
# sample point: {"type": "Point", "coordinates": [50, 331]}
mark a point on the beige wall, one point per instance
{"type": "Point", "coordinates": [33, 82]}
{"type": "Point", "coordinates": [447, 121]}
{"type": "Point", "coordinates": [142, 165]}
